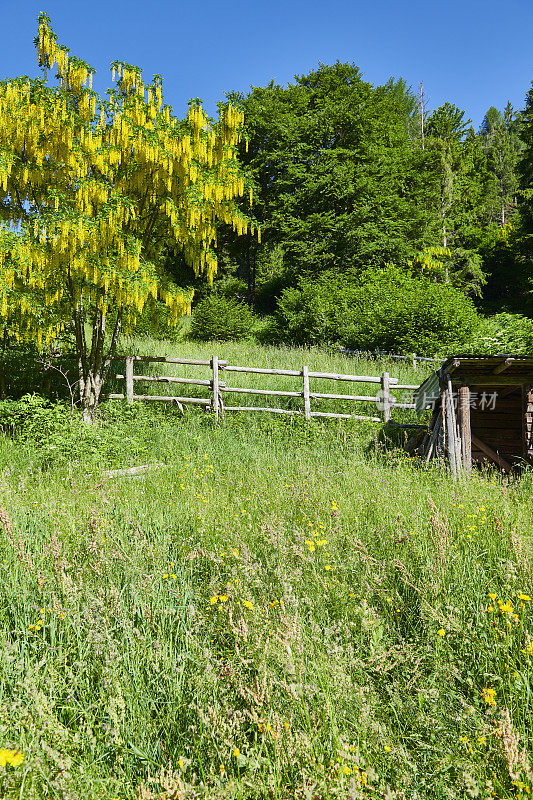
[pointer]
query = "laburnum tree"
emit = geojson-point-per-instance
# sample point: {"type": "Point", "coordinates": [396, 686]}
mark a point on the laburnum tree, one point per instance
{"type": "Point", "coordinates": [94, 194]}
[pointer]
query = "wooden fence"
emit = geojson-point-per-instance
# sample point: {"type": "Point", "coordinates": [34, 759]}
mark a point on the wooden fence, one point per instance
{"type": "Point", "coordinates": [218, 388]}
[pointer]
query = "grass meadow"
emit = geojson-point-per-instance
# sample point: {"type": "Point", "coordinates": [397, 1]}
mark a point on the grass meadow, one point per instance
{"type": "Point", "coordinates": [280, 609]}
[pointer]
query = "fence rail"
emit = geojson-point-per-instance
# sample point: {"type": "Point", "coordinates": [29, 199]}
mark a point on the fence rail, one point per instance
{"type": "Point", "coordinates": [413, 358]}
{"type": "Point", "coordinates": [385, 401]}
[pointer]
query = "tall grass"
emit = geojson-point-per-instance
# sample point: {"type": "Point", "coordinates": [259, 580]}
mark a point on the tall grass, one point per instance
{"type": "Point", "coordinates": [280, 610]}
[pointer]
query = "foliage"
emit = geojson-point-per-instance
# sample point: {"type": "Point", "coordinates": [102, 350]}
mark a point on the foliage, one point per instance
{"type": "Point", "coordinates": [222, 318]}
{"type": "Point", "coordinates": [502, 333]}
{"type": "Point", "coordinates": [15, 413]}
{"type": "Point", "coordinates": [338, 182]}
{"type": "Point", "coordinates": [294, 617]}
{"type": "Point", "coordinates": [388, 310]}
{"type": "Point", "coordinates": [94, 192]}
{"type": "Point", "coordinates": [344, 181]}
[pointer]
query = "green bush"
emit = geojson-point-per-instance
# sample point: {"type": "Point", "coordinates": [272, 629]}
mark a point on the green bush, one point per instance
{"type": "Point", "coordinates": [15, 413]}
{"type": "Point", "coordinates": [401, 313]}
{"type": "Point", "coordinates": [221, 318]}
{"type": "Point", "coordinates": [502, 333]}
{"type": "Point", "coordinates": [388, 310]}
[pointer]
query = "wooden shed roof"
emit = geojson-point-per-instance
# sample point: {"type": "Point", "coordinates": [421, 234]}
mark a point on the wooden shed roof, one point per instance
{"type": "Point", "coordinates": [470, 367]}
{"type": "Point", "coordinates": [478, 371]}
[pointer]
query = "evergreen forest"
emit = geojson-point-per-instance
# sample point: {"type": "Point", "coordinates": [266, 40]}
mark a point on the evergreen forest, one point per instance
{"type": "Point", "coordinates": [384, 224]}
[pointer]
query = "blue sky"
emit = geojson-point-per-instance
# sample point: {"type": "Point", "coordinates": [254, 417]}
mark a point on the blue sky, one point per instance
{"type": "Point", "coordinates": [472, 53]}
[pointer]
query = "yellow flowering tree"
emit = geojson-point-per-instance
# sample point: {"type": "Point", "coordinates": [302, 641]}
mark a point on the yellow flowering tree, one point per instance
{"type": "Point", "coordinates": [94, 192]}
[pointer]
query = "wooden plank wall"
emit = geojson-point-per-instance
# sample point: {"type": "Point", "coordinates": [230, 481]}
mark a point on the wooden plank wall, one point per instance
{"type": "Point", "coordinates": [501, 428]}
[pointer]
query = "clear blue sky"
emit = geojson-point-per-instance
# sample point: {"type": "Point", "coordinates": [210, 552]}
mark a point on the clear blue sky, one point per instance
{"type": "Point", "coordinates": [474, 53]}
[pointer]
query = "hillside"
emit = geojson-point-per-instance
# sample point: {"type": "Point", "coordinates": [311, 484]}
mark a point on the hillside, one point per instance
{"type": "Point", "coordinates": [282, 609]}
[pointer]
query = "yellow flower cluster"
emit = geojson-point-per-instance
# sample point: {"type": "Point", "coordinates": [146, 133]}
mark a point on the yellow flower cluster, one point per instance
{"type": "Point", "coordinates": [489, 696]}
{"type": "Point", "coordinates": [218, 598]}
{"type": "Point", "coordinates": [12, 758]}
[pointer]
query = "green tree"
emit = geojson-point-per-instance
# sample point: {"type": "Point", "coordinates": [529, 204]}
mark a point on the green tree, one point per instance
{"type": "Point", "coordinates": [340, 184]}
{"type": "Point", "coordinates": [502, 144]}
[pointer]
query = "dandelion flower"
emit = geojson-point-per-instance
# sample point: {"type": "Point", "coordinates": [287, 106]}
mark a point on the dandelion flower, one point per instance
{"type": "Point", "coordinates": [12, 758]}
{"type": "Point", "coordinates": [248, 604]}
{"type": "Point", "coordinates": [441, 632]}
{"type": "Point", "coordinates": [387, 748]}
{"type": "Point", "coordinates": [488, 696]}
{"type": "Point", "coordinates": [236, 752]}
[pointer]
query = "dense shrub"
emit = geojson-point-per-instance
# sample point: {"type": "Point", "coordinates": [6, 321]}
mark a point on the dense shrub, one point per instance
{"type": "Point", "coordinates": [386, 310]}
{"type": "Point", "coordinates": [222, 318]}
{"type": "Point", "coordinates": [502, 333]}
{"type": "Point", "coordinates": [400, 313]}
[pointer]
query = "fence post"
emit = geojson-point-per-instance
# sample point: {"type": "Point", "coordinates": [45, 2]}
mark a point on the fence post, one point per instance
{"type": "Point", "coordinates": [413, 358]}
{"type": "Point", "coordinates": [215, 386]}
{"type": "Point", "coordinates": [129, 379]}
{"type": "Point", "coordinates": [307, 398]}
{"type": "Point", "coordinates": [385, 396]}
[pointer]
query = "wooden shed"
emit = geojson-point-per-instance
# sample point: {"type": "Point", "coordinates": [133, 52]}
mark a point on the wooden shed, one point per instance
{"type": "Point", "coordinates": [482, 412]}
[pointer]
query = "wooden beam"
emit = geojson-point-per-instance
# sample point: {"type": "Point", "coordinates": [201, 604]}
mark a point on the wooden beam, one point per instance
{"type": "Point", "coordinates": [501, 380]}
{"type": "Point", "coordinates": [492, 454]}
{"type": "Point", "coordinates": [463, 414]}
{"type": "Point", "coordinates": [503, 366]}
{"type": "Point", "coordinates": [527, 408]}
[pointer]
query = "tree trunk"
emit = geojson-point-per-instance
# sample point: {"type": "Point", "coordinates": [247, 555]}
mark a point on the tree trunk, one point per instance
{"type": "Point", "coordinates": [93, 365]}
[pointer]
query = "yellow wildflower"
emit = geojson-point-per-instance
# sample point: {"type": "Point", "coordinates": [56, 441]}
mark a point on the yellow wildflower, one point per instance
{"type": "Point", "coordinates": [441, 632]}
{"type": "Point", "coordinates": [493, 596]}
{"type": "Point", "coordinates": [387, 748]}
{"type": "Point", "coordinates": [12, 758]}
{"type": "Point", "coordinates": [248, 604]}
{"type": "Point", "coordinates": [525, 598]}
{"type": "Point", "coordinates": [223, 598]}
{"type": "Point", "coordinates": [236, 752]}
{"type": "Point", "coordinates": [506, 608]}
{"type": "Point", "coordinates": [488, 696]}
